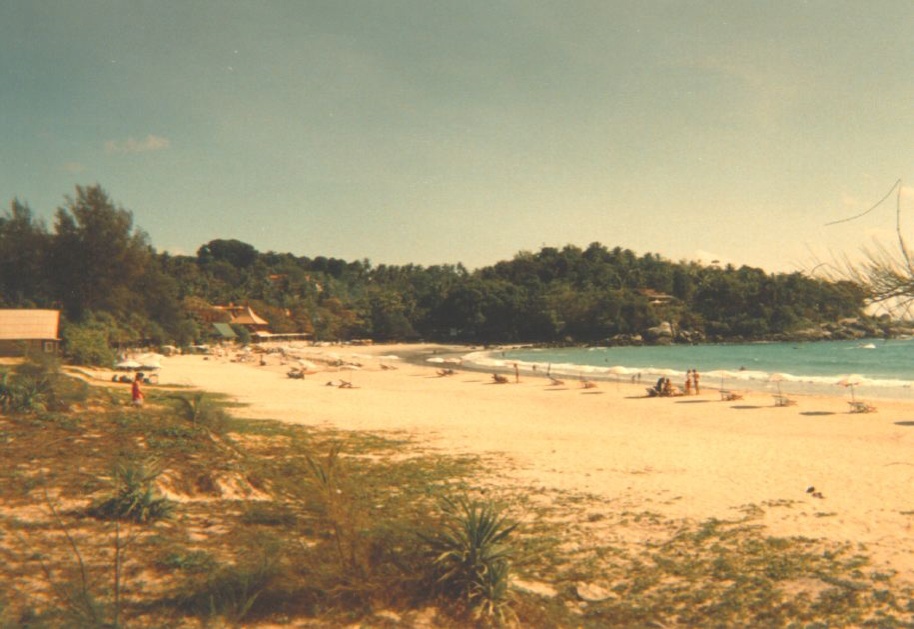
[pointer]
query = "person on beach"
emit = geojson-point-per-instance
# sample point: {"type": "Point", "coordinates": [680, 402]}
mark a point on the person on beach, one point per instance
{"type": "Point", "coordinates": [136, 393]}
{"type": "Point", "coordinates": [695, 381]}
{"type": "Point", "coordinates": [688, 382]}
{"type": "Point", "coordinates": [516, 373]}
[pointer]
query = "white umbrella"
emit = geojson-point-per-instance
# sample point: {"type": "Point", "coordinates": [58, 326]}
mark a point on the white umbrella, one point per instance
{"type": "Point", "coordinates": [128, 365]}
{"type": "Point", "coordinates": [850, 381]}
{"type": "Point", "coordinates": [436, 359]}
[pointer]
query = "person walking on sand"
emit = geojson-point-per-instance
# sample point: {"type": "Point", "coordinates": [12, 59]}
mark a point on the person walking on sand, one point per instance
{"type": "Point", "coordinates": [516, 373]}
{"type": "Point", "coordinates": [136, 393]}
{"type": "Point", "coordinates": [688, 382]}
{"type": "Point", "coordinates": [695, 381]}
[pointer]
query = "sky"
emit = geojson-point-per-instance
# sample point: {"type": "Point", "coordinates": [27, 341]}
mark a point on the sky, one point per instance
{"type": "Point", "coordinates": [430, 132]}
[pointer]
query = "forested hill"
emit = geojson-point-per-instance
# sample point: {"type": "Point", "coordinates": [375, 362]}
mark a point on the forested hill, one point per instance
{"type": "Point", "coordinates": [112, 285]}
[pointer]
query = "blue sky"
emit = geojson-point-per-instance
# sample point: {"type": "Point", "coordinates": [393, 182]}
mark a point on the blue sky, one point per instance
{"type": "Point", "coordinates": [431, 132]}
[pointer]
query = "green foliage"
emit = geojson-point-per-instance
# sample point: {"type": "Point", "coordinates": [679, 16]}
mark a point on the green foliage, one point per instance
{"type": "Point", "coordinates": [37, 385]}
{"type": "Point", "coordinates": [340, 509]}
{"type": "Point", "coordinates": [97, 264]}
{"type": "Point", "coordinates": [472, 555]}
{"type": "Point", "coordinates": [87, 344]}
{"type": "Point", "coordinates": [134, 497]}
{"type": "Point", "coordinates": [230, 591]}
{"type": "Point", "coordinates": [200, 410]}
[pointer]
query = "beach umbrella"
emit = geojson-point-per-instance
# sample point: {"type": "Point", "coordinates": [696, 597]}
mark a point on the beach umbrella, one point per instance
{"type": "Point", "coordinates": [851, 381]}
{"type": "Point", "coordinates": [128, 365]}
{"type": "Point", "coordinates": [435, 359]}
{"type": "Point", "coordinates": [150, 361]}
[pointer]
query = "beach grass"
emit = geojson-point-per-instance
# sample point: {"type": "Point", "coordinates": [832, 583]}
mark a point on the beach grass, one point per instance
{"type": "Point", "coordinates": [269, 522]}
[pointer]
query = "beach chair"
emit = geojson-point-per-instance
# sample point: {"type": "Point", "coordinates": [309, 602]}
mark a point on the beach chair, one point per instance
{"type": "Point", "coordinates": [729, 396]}
{"type": "Point", "coordinates": [783, 400]}
{"type": "Point", "coordinates": [861, 407]}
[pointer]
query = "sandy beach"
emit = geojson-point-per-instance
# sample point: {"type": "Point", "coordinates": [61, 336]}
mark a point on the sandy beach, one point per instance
{"type": "Point", "coordinates": [688, 458]}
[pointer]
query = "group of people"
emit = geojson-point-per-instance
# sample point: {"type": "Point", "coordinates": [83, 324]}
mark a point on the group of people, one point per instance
{"type": "Point", "coordinates": [664, 387]}
{"type": "Point", "coordinates": [692, 382]}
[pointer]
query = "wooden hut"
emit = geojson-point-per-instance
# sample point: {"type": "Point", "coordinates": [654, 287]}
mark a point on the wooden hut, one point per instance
{"type": "Point", "coordinates": [29, 331]}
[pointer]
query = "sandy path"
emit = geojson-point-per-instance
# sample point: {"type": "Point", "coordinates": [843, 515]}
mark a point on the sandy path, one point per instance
{"type": "Point", "coordinates": [692, 457]}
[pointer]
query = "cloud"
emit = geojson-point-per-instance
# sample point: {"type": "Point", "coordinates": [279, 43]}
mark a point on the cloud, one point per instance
{"type": "Point", "coordinates": [130, 145]}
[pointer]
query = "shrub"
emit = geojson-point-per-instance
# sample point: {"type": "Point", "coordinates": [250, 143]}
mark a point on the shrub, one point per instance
{"type": "Point", "coordinates": [471, 557]}
{"type": "Point", "coordinates": [134, 497]}
{"type": "Point", "coordinates": [199, 411]}
{"type": "Point", "coordinates": [87, 345]}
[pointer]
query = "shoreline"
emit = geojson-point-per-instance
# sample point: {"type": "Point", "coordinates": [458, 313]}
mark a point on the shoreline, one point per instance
{"type": "Point", "coordinates": [685, 458]}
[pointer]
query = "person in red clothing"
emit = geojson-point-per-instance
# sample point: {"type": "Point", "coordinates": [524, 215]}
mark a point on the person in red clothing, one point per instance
{"type": "Point", "coordinates": [136, 394]}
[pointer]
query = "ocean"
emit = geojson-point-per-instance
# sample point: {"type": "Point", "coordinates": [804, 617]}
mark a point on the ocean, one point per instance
{"type": "Point", "coordinates": [881, 368]}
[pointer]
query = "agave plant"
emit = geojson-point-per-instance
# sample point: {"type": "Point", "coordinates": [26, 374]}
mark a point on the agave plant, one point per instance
{"type": "Point", "coordinates": [24, 394]}
{"type": "Point", "coordinates": [134, 497]}
{"type": "Point", "coordinates": [472, 556]}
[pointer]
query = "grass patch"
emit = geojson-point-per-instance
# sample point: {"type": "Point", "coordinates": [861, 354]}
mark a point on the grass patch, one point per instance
{"type": "Point", "coordinates": [275, 523]}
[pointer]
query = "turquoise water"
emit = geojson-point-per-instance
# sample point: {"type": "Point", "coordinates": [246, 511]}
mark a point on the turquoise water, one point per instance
{"type": "Point", "coordinates": [884, 368]}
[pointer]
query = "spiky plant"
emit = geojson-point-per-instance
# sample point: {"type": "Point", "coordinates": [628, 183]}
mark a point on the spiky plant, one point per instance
{"type": "Point", "coordinates": [472, 556]}
{"type": "Point", "coordinates": [199, 410]}
{"type": "Point", "coordinates": [134, 497]}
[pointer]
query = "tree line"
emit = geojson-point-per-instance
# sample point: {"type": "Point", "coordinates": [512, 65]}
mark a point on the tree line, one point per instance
{"type": "Point", "coordinates": [114, 289]}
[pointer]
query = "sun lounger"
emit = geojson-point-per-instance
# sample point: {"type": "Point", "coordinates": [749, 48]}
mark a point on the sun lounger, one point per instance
{"type": "Point", "coordinates": [783, 400]}
{"type": "Point", "coordinates": [729, 396]}
{"type": "Point", "coordinates": [862, 407]}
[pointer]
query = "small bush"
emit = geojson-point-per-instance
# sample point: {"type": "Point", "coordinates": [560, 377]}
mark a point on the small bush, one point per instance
{"type": "Point", "coordinates": [230, 591]}
{"type": "Point", "coordinates": [471, 557]}
{"type": "Point", "coordinates": [134, 498]}
{"type": "Point", "coordinates": [200, 411]}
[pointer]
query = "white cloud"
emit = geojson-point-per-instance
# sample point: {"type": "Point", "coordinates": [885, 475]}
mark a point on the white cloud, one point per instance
{"type": "Point", "coordinates": [130, 145]}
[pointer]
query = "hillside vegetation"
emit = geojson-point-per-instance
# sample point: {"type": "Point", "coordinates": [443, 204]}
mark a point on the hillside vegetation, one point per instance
{"type": "Point", "coordinates": [115, 289]}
